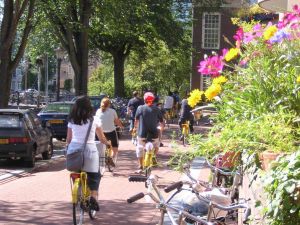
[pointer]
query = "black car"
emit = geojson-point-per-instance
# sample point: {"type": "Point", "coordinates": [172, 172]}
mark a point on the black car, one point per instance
{"type": "Point", "coordinates": [56, 115]}
{"type": "Point", "coordinates": [22, 136]}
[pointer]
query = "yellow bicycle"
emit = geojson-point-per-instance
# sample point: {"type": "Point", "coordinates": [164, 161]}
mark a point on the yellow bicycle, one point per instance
{"type": "Point", "coordinates": [169, 116]}
{"type": "Point", "coordinates": [80, 197]}
{"type": "Point", "coordinates": [149, 158]}
{"type": "Point", "coordinates": [110, 161]}
{"type": "Point", "coordinates": [185, 132]}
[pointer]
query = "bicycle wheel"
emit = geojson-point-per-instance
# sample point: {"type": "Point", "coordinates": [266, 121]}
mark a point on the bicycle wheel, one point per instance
{"type": "Point", "coordinates": [78, 211]}
{"type": "Point", "coordinates": [92, 214]}
{"type": "Point", "coordinates": [110, 164]}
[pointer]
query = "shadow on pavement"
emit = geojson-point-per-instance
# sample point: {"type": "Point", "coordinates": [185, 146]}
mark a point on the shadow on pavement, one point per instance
{"type": "Point", "coordinates": [59, 212]}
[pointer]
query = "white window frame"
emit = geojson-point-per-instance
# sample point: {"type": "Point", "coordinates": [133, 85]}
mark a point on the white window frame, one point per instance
{"type": "Point", "coordinates": [204, 30]}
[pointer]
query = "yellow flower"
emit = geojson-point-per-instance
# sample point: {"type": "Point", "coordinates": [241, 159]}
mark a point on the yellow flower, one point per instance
{"type": "Point", "coordinates": [270, 32]}
{"type": "Point", "coordinates": [213, 91]}
{"type": "Point", "coordinates": [232, 54]}
{"type": "Point", "coordinates": [220, 80]}
{"type": "Point", "coordinates": [195, 97]}
{"type": "Point", "coordinates": [298, 79]}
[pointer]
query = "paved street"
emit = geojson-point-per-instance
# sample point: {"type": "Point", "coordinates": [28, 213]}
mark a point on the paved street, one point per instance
{"type": "Point", "coordinates": [42, 196]}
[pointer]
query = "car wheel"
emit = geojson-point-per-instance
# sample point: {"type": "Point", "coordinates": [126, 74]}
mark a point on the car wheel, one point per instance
{"type": "Point", "coordinates": [30, 161]}
{"type": "Point", "coordinates": [48, 154]}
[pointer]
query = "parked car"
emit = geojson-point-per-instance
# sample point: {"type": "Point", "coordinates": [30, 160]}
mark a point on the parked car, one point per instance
{"type": "Point", "coordinates": [56, 115]}
{"type": "Point", "coordinates": [23, 136]}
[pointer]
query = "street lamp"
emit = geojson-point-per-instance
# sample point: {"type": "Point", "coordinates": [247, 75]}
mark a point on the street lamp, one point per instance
{"type": "Point", "coordinates": [59, 56]}
{"type": "Point", "coordinates": [39, 63]}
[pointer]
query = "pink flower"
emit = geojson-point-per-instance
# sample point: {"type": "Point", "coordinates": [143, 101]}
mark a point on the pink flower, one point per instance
{"type": "Point", "coordinates": [252, 35]}
{"type": "Point", "coordinates": [211, 66]}
{"type": "Point", "coordinates": [239, 37]}
{"type": "Point", "coordinates": [296, 8]}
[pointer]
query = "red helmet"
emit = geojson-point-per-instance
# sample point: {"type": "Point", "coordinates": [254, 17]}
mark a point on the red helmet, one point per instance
{"type": "Point", "coordinates": [148, 97]}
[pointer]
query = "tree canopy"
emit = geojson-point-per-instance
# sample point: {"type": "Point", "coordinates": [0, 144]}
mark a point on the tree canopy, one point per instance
{"type": "Point", "coordinates": [120, 26]}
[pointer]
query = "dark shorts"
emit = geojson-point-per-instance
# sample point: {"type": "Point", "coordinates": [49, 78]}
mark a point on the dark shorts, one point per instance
{"type": "Point", "coordinates": [113, 137]}
{"type": "Point", "coordinates": [93, 180]}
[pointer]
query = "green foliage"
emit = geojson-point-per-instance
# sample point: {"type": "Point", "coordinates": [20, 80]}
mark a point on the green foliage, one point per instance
{"type": "Point", "coordinates": [180, 158]}
{"type": "Point", "coordinates": [161, 70]}
{"type": "Point", "coordinates": [282, 185]}
{"type": "Point", "coordinates": [267, 84]}
{"type": "Point", "coordinates": [120, 26]}
{"type": "Point", "coordinates": [101, 81]}
{"type": "Point", "coordinates": [271, 131]}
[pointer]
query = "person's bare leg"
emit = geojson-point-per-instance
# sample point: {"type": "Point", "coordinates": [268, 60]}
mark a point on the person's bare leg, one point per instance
{"type": "Point", "coordinates": [141, 161]}
{"type": "Point", "coordinates": [114, 152]}
{"type": "Point", "coordinates": [156, 150]}
{"type": "Point", "coordinates": [94, 194]}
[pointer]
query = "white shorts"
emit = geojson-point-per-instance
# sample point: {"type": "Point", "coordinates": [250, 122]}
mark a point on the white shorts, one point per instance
{"type": "Point", "coordinates": [141, 142]}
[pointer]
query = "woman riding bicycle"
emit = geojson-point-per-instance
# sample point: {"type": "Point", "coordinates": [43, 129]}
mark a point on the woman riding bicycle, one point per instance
{"type": "Point", "coordinates": [109, 119]}
{"type": "Point", "coordinates": [146, 118]}
{"type": "Point", "coordinates": [79, 120]}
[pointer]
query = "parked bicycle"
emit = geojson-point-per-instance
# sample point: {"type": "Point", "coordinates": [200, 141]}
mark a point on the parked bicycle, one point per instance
{"type": "Point", "coordinates": [219, 179]}
{"type": "Point", "coordinates": [182, 213]}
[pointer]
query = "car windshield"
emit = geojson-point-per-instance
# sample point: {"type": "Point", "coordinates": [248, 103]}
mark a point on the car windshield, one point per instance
{"type": "Point", "coordinates": [59, 108]}
{"type": "Point", "coordinates": [10, 120]}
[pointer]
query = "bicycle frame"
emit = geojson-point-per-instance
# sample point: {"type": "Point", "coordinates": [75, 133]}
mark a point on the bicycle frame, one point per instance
{"type": "Point", "coordinates": [77, 180]}
{"type": "Point", "coordinates": [148, 159]}
{"type": "Point", "coordinates": [185, 128]}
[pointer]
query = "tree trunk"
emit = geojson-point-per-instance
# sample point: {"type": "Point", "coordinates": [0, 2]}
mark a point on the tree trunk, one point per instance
{"type": "Point", "coordinates": [119, 60]}
{"type": "Point", "coordinates": [5, 82]}
{"type": "Point", "coordinates": [12, 12]}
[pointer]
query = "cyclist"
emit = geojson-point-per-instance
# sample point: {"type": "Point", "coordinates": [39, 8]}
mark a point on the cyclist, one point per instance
{"type": "Point", "coordinates": [186, 115]}
{"type": "Point", "coordinates": [109, 119]}
{"type": "Point", "coordinates": [79, 120]}
{"type": "Point", "coordinates": [132, 106]}
{"type": "Point", "coordinates": [146, 119]}
{"type": "Point", "coordinates": [169, 102]}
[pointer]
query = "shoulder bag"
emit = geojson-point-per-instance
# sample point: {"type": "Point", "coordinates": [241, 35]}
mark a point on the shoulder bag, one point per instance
{"type": "Point", "coordinates": [75, 159]}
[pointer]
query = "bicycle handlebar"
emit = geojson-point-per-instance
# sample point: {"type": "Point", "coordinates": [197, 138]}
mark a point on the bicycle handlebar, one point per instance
{"type": "Point", "coordinates": [137, 178]}
{"type": "Point", "coordinates": [174, 186]}
{"type": "Point", "coordinates": [135, 197]}
{"type": "Point", "coordinates": [216, 169]}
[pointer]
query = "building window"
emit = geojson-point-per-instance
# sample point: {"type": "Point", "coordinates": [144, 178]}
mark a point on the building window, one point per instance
{"type": "Point", "coordinates": [211, 30]}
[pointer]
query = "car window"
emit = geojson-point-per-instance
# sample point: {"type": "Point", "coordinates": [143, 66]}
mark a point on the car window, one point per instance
{"type": "Point", "coordinates": [10, 120]}
{"type": "Point", "coordinates": [59, 108]}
